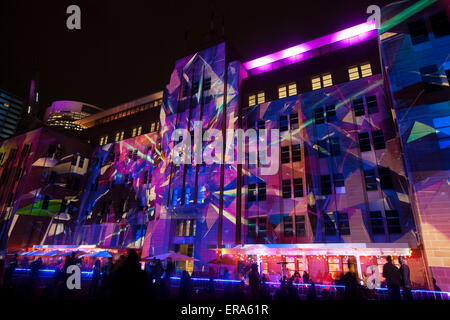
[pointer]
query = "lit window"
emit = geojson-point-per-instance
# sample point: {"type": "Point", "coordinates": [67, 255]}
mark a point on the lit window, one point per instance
{"type": "Point", "coordinates": [366, 70]}
{"type": "Point", "coordinates": [353, 73]}
{"type": "Point", "coordinates": [251, 100]}
{"type": "Point", "coordinates": [261, 97]}
{"type": "Point", "coordinates": [136, 131]}
{"type": "Point", "coordinates": [152, 127]}
{"type": "Point", "coordinates": [322, 81]}
{"type": "Point", "coordinates": [282, 92]}
{"type": "Point", "coordinates": [292, 89]}
{"type": "Point", "coordinates": [119, 136]}
{"type": "Point", "coordinates": [326, 80]}
{"type": "Point", "coordinates": [316, 84]}
{"type": "Point", "coordinates": [103, 140]}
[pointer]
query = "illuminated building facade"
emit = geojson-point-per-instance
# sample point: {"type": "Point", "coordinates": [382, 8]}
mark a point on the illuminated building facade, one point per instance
{"type": "Point", "coordinates": [351, 180]}
{"type": "Point", "coordinates": [116, 205]}
{"type": "Point", "coordinates": [64, 114]}
{"type": "Point", "coordinates": [42, 176]}
{"type": "Point", "coordinates": [10, 114]}
{"type": "Point", "coordinates": [416, 54]}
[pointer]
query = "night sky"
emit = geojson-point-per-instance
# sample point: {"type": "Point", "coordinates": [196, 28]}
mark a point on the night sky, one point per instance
{"type": "Point", "coordinates": [127, 49]}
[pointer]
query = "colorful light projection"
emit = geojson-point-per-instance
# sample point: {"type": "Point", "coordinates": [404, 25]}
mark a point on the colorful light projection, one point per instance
{"type": "Point", "coordinates": [346, 37]}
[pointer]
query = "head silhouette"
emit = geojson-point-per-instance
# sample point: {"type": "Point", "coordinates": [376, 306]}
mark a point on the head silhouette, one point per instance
{"type": "Point", "coordinates": [389, 259]}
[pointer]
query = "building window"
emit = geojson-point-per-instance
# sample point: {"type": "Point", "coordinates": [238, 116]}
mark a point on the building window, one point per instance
{"type": "Point", "coordinates": [339, 183]}
{"type": "Point", "coordinates": [372, 104]}
{"type": "Point", "coordinates": [330, 224]}
{"type": "Point", "coordinates": [282, 92]}
{"type": "Point", "coordinates": [298, 187]}
{"type": "Point", "coordinates": [119, 136]}
{"type": "Point", "coordinates": [358, 107]}
{"type": "Point", "coordinates": [319, 116]}
{"type": "Point", "coordinates": [285, 156]}
{"type": "Point", "coordinates": [251, 100]}
{"type": "Point", "coordinates": [442, 126]}
{"type": "Point", "coordinates": [385, 178]}
{"type": "Point", "coordinates": [294, 121]}
{"type": "Point", "coordinates": [353, 73]}
{"type": "Point", "coordinates": [284, 124]}
{"type": "Point", "coordinates": [152, 127]}
{"type": "Point", "coordinates": [286, 189]}
{"type": "Point", "coordinates": [361, 71]}
{"type": "Point", "coordinates": [331, 113]}
{"type": "Point", "coordinates": [418, 31]}
{"type": "Point", "coordinates": [296, 153]}
{"type": "Point", "coordinates": [262, 227]}
{"type": "Point", "coordinates": [251, 192]}
{"type": "Point", "coordinates": [261, 191]}
{"type": "Point", "coordinates": [292, 89]}
{"type": "Point", "coordinates": [322, 148]}
{"type": "Point", "coordinates": [251, 228]}
{"type": "Point", "coordinates": [343, 223]}
{"type": "Point", "coordinates": [287, 90]}
{"type": "Point", "coordinates": [186, 228]}
{"type": "Point", "coordinates": [207, 84]}
{"type": "Point", "coordinates": [439, 24]}
{"type": "Point", "coordinates": [325, 184]}
{"type": "Point", "coordinates": [136, 131]}
{"type": "Point", "coordinates": [370, 180]}
{"type": "Point", "coordinates": [376, 222]}
{"type": "Point", "coordinates": [288, 226]}
{"type": "Point", "coordinates": [378, 140]}
{"type": "Point", "coordinates": [393, 222]}
{"type": "Point", "coordinates": [261, 97]}
{"type": "Point", "coordinates": [366, 70]}
{"type": "Point", "coordinates": [300, 226]}
{"type": "Point", "coordinates": [335, 147]}
{"type": "Point", "coordinates": [103, 140]}
{"type": "Point", "coordinates": [364, 142]}
{"type": "Point", "coordinates": [322, 81]}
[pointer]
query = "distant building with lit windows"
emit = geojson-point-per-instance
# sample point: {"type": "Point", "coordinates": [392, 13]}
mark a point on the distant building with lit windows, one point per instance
{"type": "Point", "coordinates": [11, 108]}
{"type": "Point", "coordinates": [64, 114]}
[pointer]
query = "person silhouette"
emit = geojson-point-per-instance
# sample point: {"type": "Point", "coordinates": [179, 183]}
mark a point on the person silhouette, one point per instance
{"type": "Point", "coordinates": [405, 279]}
{"type": "Point", "coordinates": [393, 277]}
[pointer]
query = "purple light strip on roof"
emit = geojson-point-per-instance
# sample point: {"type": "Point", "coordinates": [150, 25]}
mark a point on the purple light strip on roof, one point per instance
{"type": "Point", "coordinates": [310, 45]}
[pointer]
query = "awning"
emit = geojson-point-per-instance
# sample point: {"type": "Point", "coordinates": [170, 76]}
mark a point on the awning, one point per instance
{"type": "Point", "coordinates": [174, 256]}
{"type": "Point", "coordinates": [338, 249]}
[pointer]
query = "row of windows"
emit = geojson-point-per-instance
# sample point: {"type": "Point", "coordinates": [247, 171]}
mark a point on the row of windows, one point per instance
{"type": "Point", "coordinates": [317, 82]}
{"type": "Point", "coordinates": [327, 181]}
{"type": "Point", "coordinates": [128, 179]}
{"type": "Point", "coordinates": [195, 87]}
{"type": "Point", "coordinates": [286, 186]}
{"type": "Point", "coordinates": [257, 227]}
{"type": "Point", "coordinates": [136, 131]}
{"type": "Point", "coordinates": [186, 228]}
{"type": "Point", "coordinates": [295, 151]}
{"type": "Point", "coordinates": [335, 224]}
{"type": "Point", "coordinates": [439, 25]}
{"type": "Point", "coordinates": [129, 112]}
{"type": "Point", "coordinates": [189, 197]}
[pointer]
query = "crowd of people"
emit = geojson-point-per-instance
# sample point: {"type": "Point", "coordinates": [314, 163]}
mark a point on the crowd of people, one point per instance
{"type": "Point", "coordinates": [125, 280]}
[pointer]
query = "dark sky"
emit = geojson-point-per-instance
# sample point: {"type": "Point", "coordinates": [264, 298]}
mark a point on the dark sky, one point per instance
{"type": "Point", "coordinates": [127, 49]}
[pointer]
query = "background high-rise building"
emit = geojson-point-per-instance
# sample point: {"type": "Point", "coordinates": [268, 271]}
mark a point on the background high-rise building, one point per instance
{"type": "Point", "coordinates": [63, 114]}
{"type": "Point", "coordinates": [11, 108]}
